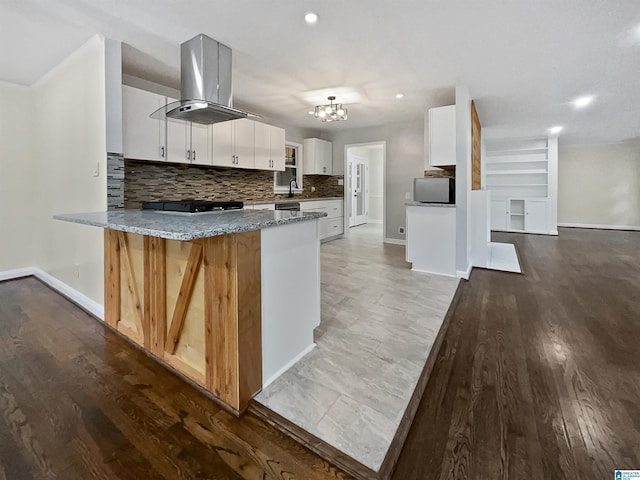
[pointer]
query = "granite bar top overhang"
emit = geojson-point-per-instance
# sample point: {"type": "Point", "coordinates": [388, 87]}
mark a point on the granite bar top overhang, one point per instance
{"type": "Point", "coordinates": [428, 204]}
{"type": "Point", "coordinates": [185, 226]}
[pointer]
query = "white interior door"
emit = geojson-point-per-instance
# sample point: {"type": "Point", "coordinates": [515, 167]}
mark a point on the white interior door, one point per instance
{"type": "Point", "coordinates": [359, 178]}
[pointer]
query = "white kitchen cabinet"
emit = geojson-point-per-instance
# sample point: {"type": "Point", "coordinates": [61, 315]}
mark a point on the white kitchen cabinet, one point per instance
{"type": "Point", "coordinates": [200, 144]}
{"type": "Point", "coordinates": [233, 143]}
{"type": "Point", "coordinates": [187, 142]}
{"type": "Point", "coordinates": [535, 219]}
{"type": "Point", "coordinates": [277, 148]}
{"type": "Point", "coordinates": [331, 226]}
{"type": "Point", "coordinates": [268, 147]}
{"type": "Point", "coordinates": [318, 157]}
{"type": "Point", "coordinates": [499, 214]}
{"type": "Point", "coordinates": [520, 215]}
{"type": "Point", "coordinates": [442, 136]}
{"type": "Point", "coordinates": [143, 137]}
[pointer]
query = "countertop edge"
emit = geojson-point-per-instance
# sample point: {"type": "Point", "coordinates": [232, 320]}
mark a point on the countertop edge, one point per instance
{"type": "Point", "coordinates": [194, 235]}
{"type": "Point", "coordinates": [426, 204]}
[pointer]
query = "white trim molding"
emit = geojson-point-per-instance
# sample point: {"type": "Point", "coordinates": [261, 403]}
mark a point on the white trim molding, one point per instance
{"type": "Point", "coordinates": [394, 241]}
{"type": "Point", "coordinates": [632, 228]}
{"type": "Point", "coordinates": [62, 288]}
{"type": "Point", "coordinates": [287, 366]}
{"type": "Point", "coordinates": [465, 274]}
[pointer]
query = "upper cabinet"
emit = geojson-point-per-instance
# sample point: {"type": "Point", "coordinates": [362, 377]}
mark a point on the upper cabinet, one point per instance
{"type": "Point", "coordinates": [318, 157]}
{"type": "Point", "coordinates": [143, 137]}
{"type": "Point", "coordinates": [187, 142]}
{"type": "Point", "coordinates": [442, 136]}
{"type": "Point", "coordinates": [239, 143]}
{"type": "Point", "coordinates": [245, 143]}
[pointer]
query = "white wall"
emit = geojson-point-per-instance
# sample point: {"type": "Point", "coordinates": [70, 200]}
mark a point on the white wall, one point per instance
{"type": "Point", "coordinates": [463, 179]}
{"type": "Point", "coordinates": [17, 182]}
{"type": "Point", "coordinates": [405, 161]}
{"type": "Point", "coordinates": [65, 145]}
{"type": "Point", "coordinates": [71, 143]}
{"type": "Point", "coordinates": [599, 185]}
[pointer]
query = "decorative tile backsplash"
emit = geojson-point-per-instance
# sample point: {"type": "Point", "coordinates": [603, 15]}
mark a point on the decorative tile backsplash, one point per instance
{"type": "Point", "coordinates": [115, 181]}
{"type": "Point", "coordinates": [147, 181]}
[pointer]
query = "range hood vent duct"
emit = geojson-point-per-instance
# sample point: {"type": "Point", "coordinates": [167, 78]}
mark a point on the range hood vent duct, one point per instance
{"type": "Point", "coordinates": [205, 84]}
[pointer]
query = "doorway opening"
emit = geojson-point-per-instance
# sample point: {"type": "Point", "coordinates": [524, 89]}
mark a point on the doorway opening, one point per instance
{"type": "Point", "coordinates": [365, 186]}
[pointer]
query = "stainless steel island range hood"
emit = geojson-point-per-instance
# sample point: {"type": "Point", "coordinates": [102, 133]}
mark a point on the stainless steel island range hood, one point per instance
{"type": "Point", "coordinates": [205, 84]}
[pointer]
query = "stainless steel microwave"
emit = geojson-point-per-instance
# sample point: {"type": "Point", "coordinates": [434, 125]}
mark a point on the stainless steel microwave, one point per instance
{"type": "Point", "coordinates": [434, 190]}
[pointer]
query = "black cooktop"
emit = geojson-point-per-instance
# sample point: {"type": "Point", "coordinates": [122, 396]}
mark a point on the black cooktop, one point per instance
{"type": "Point", "coordinates": [191, 206]}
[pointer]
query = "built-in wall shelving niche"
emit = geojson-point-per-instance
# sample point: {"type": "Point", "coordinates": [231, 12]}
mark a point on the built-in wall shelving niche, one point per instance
{"type": "Point", "coordinates": [517, 168]}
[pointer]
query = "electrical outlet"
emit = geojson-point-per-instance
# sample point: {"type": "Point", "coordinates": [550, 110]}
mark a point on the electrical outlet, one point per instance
{"type": "Point", "coordinates": [341, 181]}
{"type": "Point", "coordinates": [401, 230]}
{"type": "Point", "coordinates": [96, 172]}
{"type": "Point", "coordinates": [76, 271]}
{"type": "Point", "coordinates": [407, 196]}
{"type": "Point", "coordinates": [313, 189]}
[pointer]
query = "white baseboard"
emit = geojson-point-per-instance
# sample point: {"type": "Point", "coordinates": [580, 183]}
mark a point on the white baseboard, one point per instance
{"type": "Point", "coordinates": [375, 221]}
{"type": "Point", "coordinates": [72, 294]}
{"type": "Point", "coordinates": [16, 273]}
{"type": "Point", "coordinates": [287, 366]}
{"type": "Point", "coordinates": [395, 241]}
{"type": "Point", "coordinates": [432, 273]}
{"type": "Point", "coordinates": [601, 227]}
{"type": "Point", "coordinates": [464, 273]}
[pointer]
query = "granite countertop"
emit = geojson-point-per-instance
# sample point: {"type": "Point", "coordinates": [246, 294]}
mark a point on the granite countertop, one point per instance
{"type": "Point", "coordinates": [293, 199]}
{"type": "Point", "coordinates": [424, 204]}
{"type": "Point", "coordinates": [188, 226]}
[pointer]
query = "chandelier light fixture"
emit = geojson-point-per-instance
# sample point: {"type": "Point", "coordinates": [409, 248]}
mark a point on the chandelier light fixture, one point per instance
{"type": "Point", "coordinates": [332, 112]}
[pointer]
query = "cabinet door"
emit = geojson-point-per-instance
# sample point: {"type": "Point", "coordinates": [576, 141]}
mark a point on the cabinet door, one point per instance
{"type": "Point", "coordinates": [143, 137]}
{"type": "Point", "coordinates": [535, 219]}
{"type": "Point", "coordinates": [262, 146]}
{"type": "Point", "coordinates": [499, 215]}
{"type": "Point", "coordinates": [310, 148]}
{"type": "Point", "coordinates": [277, 148]}
{"type": "Point", "coordinates": [326, 158]}
{"type": "Point", "coordinates": [177, 141]}
{"type": "Point", "coordinates": [222, 144]}
{"type": "Point", "coordinates": [200, 148]}
{"type": "Point", "coordinates": [243, 142]}
{"type": "Point", "coordinates": [442, 136]}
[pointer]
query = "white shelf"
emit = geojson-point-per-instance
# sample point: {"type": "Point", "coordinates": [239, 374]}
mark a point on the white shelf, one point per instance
{"type": "Point", "coordinates": [517, 160]}
{"type": "Point", "coordinates": [517, 185]}
{"type": "Point", "coordinates": [517, 172]}
{"type": "Point", "coordinates": [517, 214]}
{"type": "Point", "coordinates": [500, 153]}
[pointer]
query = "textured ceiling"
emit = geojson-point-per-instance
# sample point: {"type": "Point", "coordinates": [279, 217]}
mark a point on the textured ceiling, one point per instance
{"type": "Point", "coordinates": [523, 61]}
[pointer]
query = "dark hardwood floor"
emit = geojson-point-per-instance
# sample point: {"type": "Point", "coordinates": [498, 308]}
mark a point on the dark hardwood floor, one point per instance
{"type": "Point", "coordinates": [538, 378]}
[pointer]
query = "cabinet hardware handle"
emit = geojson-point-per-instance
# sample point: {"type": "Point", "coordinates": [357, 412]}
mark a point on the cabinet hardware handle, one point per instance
{"type": "Point", "coordinates": [194, 155]}
{"type": "Point", "coordinates": [162, 152]}
{"type": "Point", "coordinates": [188, 154]}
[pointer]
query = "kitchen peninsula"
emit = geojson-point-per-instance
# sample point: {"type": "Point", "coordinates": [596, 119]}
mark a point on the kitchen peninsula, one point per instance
{"type": "Point", "coordinates": [228, 299]}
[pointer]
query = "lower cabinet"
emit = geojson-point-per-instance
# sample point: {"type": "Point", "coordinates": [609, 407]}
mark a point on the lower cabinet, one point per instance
{"type": "Point", "coordinates": [331, 226]}
{"type": "Point", "coordinates": [520, 215]}
{"type": "Point", "coordinates": [194, 305]}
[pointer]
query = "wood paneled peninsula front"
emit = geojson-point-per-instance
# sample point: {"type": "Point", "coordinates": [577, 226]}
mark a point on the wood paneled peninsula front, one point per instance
{"type": "Point", "coordinates": [228, 299]}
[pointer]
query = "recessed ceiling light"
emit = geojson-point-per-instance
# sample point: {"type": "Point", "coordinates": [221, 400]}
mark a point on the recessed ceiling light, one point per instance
{"type": "Point", "coordinates": [399, 95]}
{"type": "Point", "coordinates": [582, 102]}
{"type": "Point", "coordinates": [311, 18]}
{"type": "Point", "coordinates": [556, 129]}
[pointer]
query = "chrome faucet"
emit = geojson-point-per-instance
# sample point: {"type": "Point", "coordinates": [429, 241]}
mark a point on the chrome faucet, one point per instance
{"type": "Point", "coordinates": [292, 182]}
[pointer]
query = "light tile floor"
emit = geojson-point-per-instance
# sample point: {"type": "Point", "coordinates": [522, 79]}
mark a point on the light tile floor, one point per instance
{"type": "Point", "coordinates": [379, 321]}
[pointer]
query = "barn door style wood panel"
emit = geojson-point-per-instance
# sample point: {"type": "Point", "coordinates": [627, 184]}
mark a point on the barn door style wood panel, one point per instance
{"type": "Point", "coordinates": [124, 257]}
{"type": "Point", "coordinates": [184, 346]}
{"type": "Point", "coordinates": [476, 149]}
{"type": "Point", "coordinates": [233, 317]}
{"type": "Point", "coordinates": [195, 305]}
